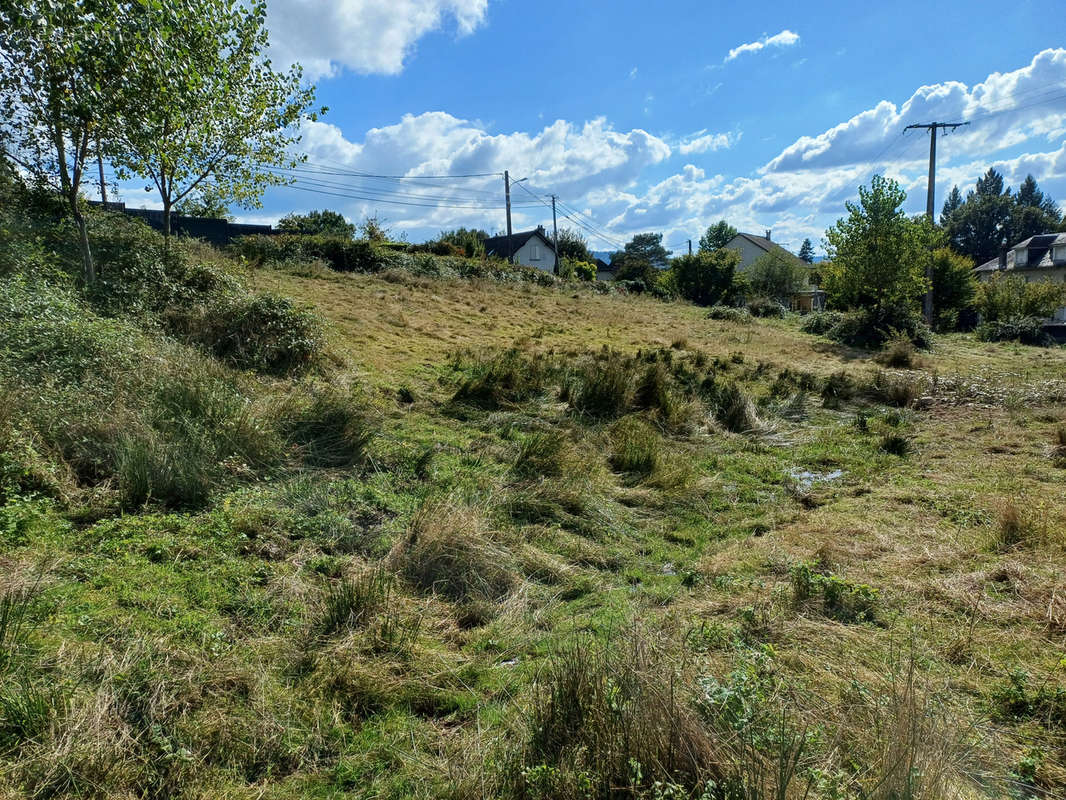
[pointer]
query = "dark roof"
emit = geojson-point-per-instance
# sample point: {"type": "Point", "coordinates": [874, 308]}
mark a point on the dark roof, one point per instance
{"type": "Point", "coordinates": [1039, 255]}
{"type": "Point", "coordinates": [497, 245]}
{"type": "Point", "coordinates": [768, 246]}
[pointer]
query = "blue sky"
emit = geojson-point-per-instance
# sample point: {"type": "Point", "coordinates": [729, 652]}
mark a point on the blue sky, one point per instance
{"type": "Point", "coordinates": [664, 116]}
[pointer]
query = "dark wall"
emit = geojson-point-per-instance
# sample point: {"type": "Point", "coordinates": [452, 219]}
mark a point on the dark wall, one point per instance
{"type": "Point", "coordinates": [218, 232]}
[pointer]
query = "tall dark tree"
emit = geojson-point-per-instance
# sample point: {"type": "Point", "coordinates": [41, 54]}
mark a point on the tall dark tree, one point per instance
{"type": "Point", "coordinates": [806, 252]}
{"type": "Point", "coordinates": [717, 236]}
{"type": "Point", "coordinates": [573, 245]}
{"type": "Point", "coordinates": [951, 205]}
{"type": "Point", "coordinates": [979, 226]}
{"type": "Point", "coordinates": [648, 247]}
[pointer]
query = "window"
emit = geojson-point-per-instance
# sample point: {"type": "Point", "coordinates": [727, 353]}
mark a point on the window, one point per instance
{"type": "Point", "coordinates": [1058, 253]}
{"type": "Point", "coordinates": [1021, 257]}
{"type": "Point", "coordinates": [534, 252]}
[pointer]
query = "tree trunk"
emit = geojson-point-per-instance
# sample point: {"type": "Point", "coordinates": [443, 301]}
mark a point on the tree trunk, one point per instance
{"type": "Point", "coordinates": [166, 225]}
{"type": "Point", "coordinates": [88, 267]}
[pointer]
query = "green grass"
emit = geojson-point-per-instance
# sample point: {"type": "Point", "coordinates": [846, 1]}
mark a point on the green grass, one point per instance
{"type": "Point", "coordinates": [545, 570]}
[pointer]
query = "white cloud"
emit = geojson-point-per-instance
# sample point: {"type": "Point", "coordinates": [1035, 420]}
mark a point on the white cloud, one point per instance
{"type": "Point", "coordinates": [703, 142]}
{"type": "Point", "coordinates": [786, 38]}
{"type": "Point", "coordinates": [617, 177]}
{"type": "Point", "coordinates": [367, 36]}
{"type": "Point", "coordinates": [1006, 109]}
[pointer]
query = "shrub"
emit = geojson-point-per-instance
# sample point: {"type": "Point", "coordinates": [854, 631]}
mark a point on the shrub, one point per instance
{"type": "Point", "coordinates": [954, 288]}
{"type": "Point", "coordinates": [446, 551]}
{"type": "Point", "coordinates": [1005, 297]}
{"type": "Point", "coordinates": [635, 447]}
{"type": "Point", "coordinates": [765, 307]}
{"type": "Point", "coordinates": [342, 253]}
{"type": "Point", "coordinates": [898, 352]}
{"type": "Point", "coordinates": [505, 379]}
{"type": "Point", "coordinates": [776, 276]}
{"type": "Point", "coordinates": [266, 332]}
{"type": "Point", "coordinates": [821, 322]}
{"type": "Point", "coordinates": [871, 328]}
{"type": "Point", "coordinates": [1025, 330]}
{"type": "Point", "coordinates": [705, 278]}
{"type": "Point", "coordinates": [895, 444]}
{"type": "Point", "coordinates": [729, 314]}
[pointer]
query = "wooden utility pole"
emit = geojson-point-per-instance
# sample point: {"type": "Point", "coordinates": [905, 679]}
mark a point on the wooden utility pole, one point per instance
{"type": "Point", "coordinates": [930, 199]}
{"type": "Point", "coordinates": [507, 199]}
{"type": "Point", "coordinates": [103, 183]}
{"type": "Point", "coordinates": [690, 247]}
{"type": "Point", "coordinates": [555, 237]}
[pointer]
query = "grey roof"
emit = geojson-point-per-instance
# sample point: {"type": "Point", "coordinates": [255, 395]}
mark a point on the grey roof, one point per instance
{"type": "Point", "coordinates": [768, 246]}
{"type": "Point", "coordinates": [497, 245]}
{"type": "Point", "coordinates": [1038, 257]}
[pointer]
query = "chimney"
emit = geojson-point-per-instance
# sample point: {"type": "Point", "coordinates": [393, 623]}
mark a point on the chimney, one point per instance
{"type": "Point", "coordinates": [1003, 255]}
{"type": "Point", "coordinates": [768, 234]}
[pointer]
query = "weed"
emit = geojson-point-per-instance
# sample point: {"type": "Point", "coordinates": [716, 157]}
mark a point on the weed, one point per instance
{"type": "Point", "coordinates": [547, 454]}
{"type": "Point", "coordinates": [731, 406]}
{"type": "Point", "coordinates": [899, 352]}
{"type": "Point", "coordinates": [839, 388]}
{"type": "Point", "coordinates": [1017, 524]}
{"type": "Point", "coordinates": [841, 599]}
{"type": "Point", "coordinates": [605, 387]}
{"type": "Point", "coordinates": [897, 390]}
{"type": "Point", "coordinates": [1058, 446]}
{"type": "Point", "coordinates": [896, 444]}
{"type": "Point", "coordinates": [351, 602]}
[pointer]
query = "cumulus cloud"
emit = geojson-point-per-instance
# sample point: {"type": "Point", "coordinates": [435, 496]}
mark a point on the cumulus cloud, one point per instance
{"type": "Point", "coordinates": [703, 142]}
{"type": "Point", "coordinates": [786, 38]}
{"type": "Point", "coordinates": [367, 36]}
{"type": "Point", "coordinates": [626, 182]}
{"type": "Point", "coordinates": [1007, 109]}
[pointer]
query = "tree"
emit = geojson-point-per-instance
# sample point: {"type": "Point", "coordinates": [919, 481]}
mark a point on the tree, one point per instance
{"type": "Point", "coordinates": [648, 247]}
{"type": "Point", "coordinates": [330, 223]}
{"type": "Point", "coordinates": [806, 252]}
{"type": "Point", "coordinates": [717, 236]}
{"type": "Point", "coordinates": [211, 107]}
{"type": "Point", "coordinates": [62, 82]}
{"type": "Point", "coordinates": [954, 287]}
{"type": "Point", "coordinates": [705, 278]}
{"type": "Point", "coordinates": [205, 202]}
{"type": "Point", "coordinates": [471, 240]}
{"type": "Point", "coordinates": [1034, 212]}
{"type": "Point", "coordinates": [877, 255]}
{"type": "Point", "coordinates": [978, 227]}
{"type": "Point", "coordinates": [573, 245]}
{"type": "Point", "coordinates": [951, 205]}
{"type": "Point", "coordinates": [776, 275]}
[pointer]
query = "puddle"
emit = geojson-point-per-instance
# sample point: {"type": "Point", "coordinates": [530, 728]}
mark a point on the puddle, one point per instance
{"type": "Point", "coordinates": [805, 479]}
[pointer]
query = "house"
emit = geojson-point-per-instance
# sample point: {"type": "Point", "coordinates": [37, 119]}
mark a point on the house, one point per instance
{"type": "Point", "coordinates": [530, 248]}
{"type": "Point", "coordinates": [752, 247]}
{"type": "Point", "coordinates": [604, 271]}
{"type": "Point", "coordinates": [1038, 258]}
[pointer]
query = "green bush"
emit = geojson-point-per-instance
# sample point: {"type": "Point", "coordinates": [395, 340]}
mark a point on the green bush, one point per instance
{"type": "Point", "coordinates": [265, 332]}
{"type": "Point", "coordinates": [765, 307]}
{"type": "Point", "coordinates": [1026, 330]}
{"type": "Point", "coordinates": [729, 314]}
{"type": "Point", "coordinates": [871, 328]}
{"type": "Point", "coordinates": [705, 278]}
{"type": "Point", "coordinates": [1004, 297]}
{"type": "Point", "coordinates": [341, 253]}
{"type": "Point", "coordinates": [821, 322]}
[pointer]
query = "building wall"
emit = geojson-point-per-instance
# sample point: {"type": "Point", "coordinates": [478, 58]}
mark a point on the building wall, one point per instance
{"type": "Point", "coordinates": [524, 255]}
{"type": "Point", "coordinates": [748, 252]}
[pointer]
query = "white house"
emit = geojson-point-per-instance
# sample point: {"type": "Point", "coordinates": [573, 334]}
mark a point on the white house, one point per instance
{"type": "Point", "coordinates": [530, 248]}
{"type": "Point", "coordinates": [752, 247]}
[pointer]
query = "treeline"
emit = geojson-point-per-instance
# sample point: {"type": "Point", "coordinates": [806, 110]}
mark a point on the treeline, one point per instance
{"type": "Point", "coordinates": [181, 95]}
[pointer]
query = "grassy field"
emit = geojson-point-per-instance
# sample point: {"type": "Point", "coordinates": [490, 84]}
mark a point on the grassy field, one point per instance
{"type": "Point", "coordinates": [542, 542]}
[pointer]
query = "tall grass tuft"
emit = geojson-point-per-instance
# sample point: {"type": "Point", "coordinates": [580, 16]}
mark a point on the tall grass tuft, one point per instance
{"type": "Point", "coordinates": [547, 454]}
{"type": "Point", "coordinates": [612, 720]}
{"type": "Point", "coordinates": [731, 406]}
{"type": "Point", "coordinates": [332, 427]}
{"type": "Point", "coordinates": [448, 552]}
{"type": "Point", "coordinates": [506, 379]}
{"type": "Point", "coordinates": [636, 447]}
{"type": "Point", "coordinates": [605, 387]}
{"type": "Point", "coordinates": [353, 602]}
